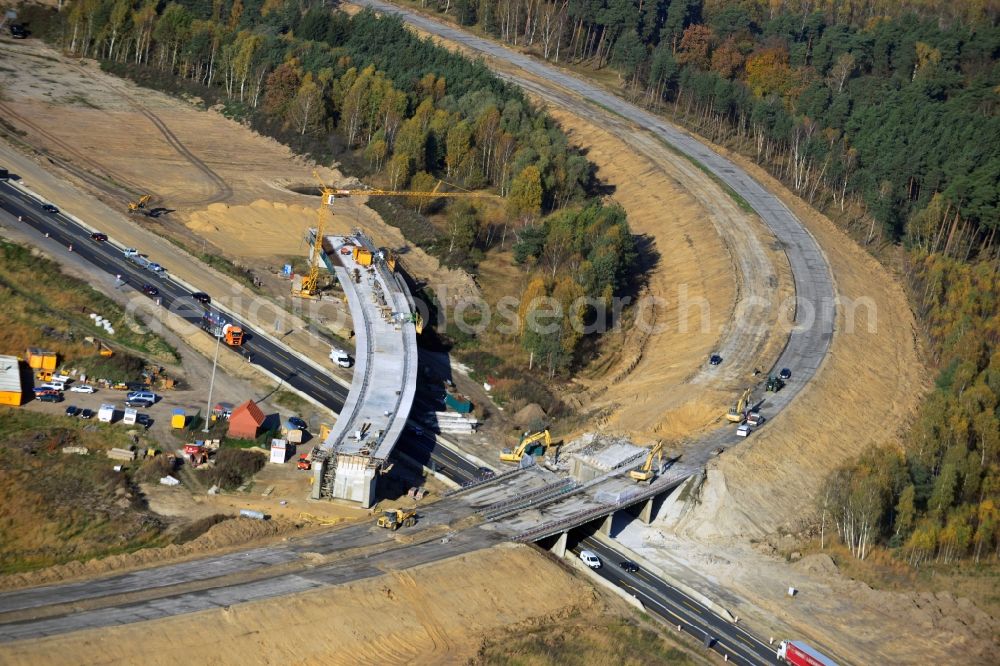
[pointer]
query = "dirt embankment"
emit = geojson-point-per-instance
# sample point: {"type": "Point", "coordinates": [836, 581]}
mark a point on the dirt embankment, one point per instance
{"type": "Point", "coordinates": [224, 535]}
{"type": "Point", "coordinates": [866, 393]}
{"type": "Point", "coordinates": [435, 614]}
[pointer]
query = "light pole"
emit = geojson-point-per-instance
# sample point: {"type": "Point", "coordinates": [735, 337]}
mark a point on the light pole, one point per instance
{"type": "Point", "coordinates": [211, 383]}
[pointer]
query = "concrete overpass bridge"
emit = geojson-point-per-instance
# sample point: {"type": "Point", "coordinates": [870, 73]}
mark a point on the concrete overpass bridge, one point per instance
{"type": "Point", "coordinates": [348, 463]}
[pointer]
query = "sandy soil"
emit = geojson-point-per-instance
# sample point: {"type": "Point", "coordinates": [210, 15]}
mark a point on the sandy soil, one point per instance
{"type": "Point", "coordinates": [844, 617]}
{"type": "Point", "coordinates": [222, 182]}
{"type": "Point", "coordinates": [702, 269]}
{"type": "Point", "coordinates": [414, 616]}
{"type": "Point", "coordinates": [866, 393]}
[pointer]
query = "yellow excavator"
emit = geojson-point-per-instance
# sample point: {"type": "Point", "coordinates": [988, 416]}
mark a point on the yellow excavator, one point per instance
{"type": "Point", "coordinates": [140, 205]}
{"type": "Point", "coordinates": [737, 412]}
{"type": "Point", "coordinates": [393, 519]}
{"type": "Point", "coordinates": [532, 444]}
{"type": "Point", "coordinates": [647, 472]}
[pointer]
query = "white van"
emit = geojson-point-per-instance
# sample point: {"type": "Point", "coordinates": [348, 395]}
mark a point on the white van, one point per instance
{"type": "Point", "coordinates": [341, 358]}
{"type": "Point", "coordinates": [54, 384]}
{"type": "Point", "coordinates": [590, 559]}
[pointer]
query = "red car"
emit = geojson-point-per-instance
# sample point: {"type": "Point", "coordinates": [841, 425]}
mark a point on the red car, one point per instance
{"type": "Point", "coordinates": [150, 290]}
{"type": "Point", "coordinates": [98, 237]}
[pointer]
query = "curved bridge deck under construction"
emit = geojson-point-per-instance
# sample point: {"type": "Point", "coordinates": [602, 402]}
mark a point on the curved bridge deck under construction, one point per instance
{"type": "Point", "coordinates": [385, 372]}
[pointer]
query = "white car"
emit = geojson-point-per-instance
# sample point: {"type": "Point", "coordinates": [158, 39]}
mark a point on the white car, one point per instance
{"type": "Point", "coordinates": [82, 388]}
{"type": "Point", "coordinates": [743, 430]}
{"type": "Point", "coordinates": [590, 559]}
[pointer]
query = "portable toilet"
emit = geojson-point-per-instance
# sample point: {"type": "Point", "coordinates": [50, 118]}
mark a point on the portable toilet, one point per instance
{"type": "Point", "coordinates": [129, 418]}
{"type": "Point", "coordinates": [178, 419]}
{"type": "Point", "coordinates": [280, 451]}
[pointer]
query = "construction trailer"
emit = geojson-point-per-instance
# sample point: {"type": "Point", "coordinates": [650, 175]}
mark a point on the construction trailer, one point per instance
{"type": "Point", "coordinates": [41, 359]}
{"type": "Point", "coordinates": [11, 391]}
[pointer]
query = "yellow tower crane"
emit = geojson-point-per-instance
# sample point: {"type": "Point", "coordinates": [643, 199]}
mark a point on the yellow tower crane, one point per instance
{"type": "Point", "coordinates": [328, 195]}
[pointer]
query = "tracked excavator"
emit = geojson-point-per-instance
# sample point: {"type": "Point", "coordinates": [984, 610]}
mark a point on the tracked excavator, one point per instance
{"type": "Point", "coordinates": [647, 472]}
{"type": "Point", "coordinates": [738, 411]}
{"type": "Point", "coordinates": [533, 445]}
{"type": "Point", "coordinates": [140, 205]}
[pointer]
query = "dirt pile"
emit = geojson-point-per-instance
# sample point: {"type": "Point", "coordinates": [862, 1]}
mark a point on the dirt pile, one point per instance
{"type": "Point", "coordinates": [435, 614]}
{"type": "Point", "coordinates": [223, 535]}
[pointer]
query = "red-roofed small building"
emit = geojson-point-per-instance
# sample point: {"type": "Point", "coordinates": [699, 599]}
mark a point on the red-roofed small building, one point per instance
{"type": "Point", "coordinates": [246, 421]}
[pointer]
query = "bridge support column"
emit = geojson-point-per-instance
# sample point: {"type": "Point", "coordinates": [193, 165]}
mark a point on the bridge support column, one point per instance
{"type": "Point", "coordinates": [646, 513]}
{"type": "Point", "coordinates": [605, 528]}
{"type": "Point", "coordinates": [559, 547]}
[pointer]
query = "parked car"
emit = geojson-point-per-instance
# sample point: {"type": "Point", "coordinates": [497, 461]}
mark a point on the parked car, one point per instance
{"type": "Point", "coordinates": [201, 297]}
{"type": "Point", "coordinates": [145, 398]}
{"type": "Point", "coordinates": [99, 237]}
{"type": "Point", "coordinates": [82, 388]}
{"type": "Point", "coordinates": [715, 359]}
{"type": "Point", "coordinates": [143, 420]}
{"type": "Point", "coordinates": [86, 413]}
{"type": "Point", "coordinates": [744, 430]}
{"type": "Point", "coordinates": [49, 396]}
{"type": "Point", "coordinates": [49, 208]}
{"type": "Point", "coordinates": [150, 290]}
{"type": "Point", "coordinates": [72, 410]}
{"type": "Point", "coordinates": [17, 31]}
{"type": "Point", "coordinates": [297, 423]}
{"type": "Point", "coordinates": [629, 566]}
{"type": "Point", "coordinates": [785, 374]}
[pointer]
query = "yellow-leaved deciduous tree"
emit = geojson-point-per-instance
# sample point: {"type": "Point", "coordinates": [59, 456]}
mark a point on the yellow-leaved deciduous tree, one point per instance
{"type": "Point", "coordinates": [398, 171]}
{"type": "Point", "coordinates": [458, 145]}
{"type": "Point", "coordinates": [768, 72]}
{"type": "Point", "coordinates": [525, 198]}
{"type": "Point", "coordinates": [306, 112]}
{"type": "Point", "coordinates": [421, 182]}
{"type": "Point", "coordinates": [571, 300]}
{"type": "Point", "coordinates": [529, 303]}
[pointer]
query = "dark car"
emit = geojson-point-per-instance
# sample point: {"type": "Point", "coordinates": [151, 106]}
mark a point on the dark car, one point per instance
{"type": "Point", "coordinates": [150, 290]}
{"type": "Point", "coordinates": [86, 413]}
{"type": "Point", "coordinates": [17, 31]}
{"type": "Point", "coordinates": [72, 410]}
{"type": "Point", "coordinates": [785, 374]}
{"type": "Point", "coordinates": [49, 396]}
{"type": "Point", "coordinates": [99, 237]}
{"type": "Point", "coordinates": [143, 420]}
{"type": "Point", "coordinates": [715, 359]}
{"type": "Point", "coordinates": [486, 473]}
{"type": "Point", "coordinates": [201, 297]}
{"type": "Point", "coordinates": [49, 208]}
{"type": "Point", "coordinates": [629, 566]}
{"type": "Point", "coordinates": [139, 402]}
{"type": "Point", "coordinates": [297, 423]}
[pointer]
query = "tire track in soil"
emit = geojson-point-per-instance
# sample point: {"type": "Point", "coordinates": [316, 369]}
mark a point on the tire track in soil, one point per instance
{"type": "Point", "coordinates": [98, 176]}
{"type": "Point", "coordinates": [223, 190]}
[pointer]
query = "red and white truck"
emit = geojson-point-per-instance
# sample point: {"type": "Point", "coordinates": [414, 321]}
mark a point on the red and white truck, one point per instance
{"type": "Point", "coordinates": [798, 653]}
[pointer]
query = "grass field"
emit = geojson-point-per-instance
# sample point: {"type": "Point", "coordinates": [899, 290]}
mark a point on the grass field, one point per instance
{"type": "Point", "coordinates": [45, 308]}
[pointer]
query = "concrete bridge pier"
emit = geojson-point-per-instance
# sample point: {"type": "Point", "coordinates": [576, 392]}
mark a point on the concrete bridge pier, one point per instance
{"type": "Point", "coordinates": [559, 547]}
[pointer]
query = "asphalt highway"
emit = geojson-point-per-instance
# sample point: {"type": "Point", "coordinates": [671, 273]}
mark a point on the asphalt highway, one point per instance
{"type": "Point", "coordinates": [175, 298]}
{"type": "Point", "coordinates": [678, 609]}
